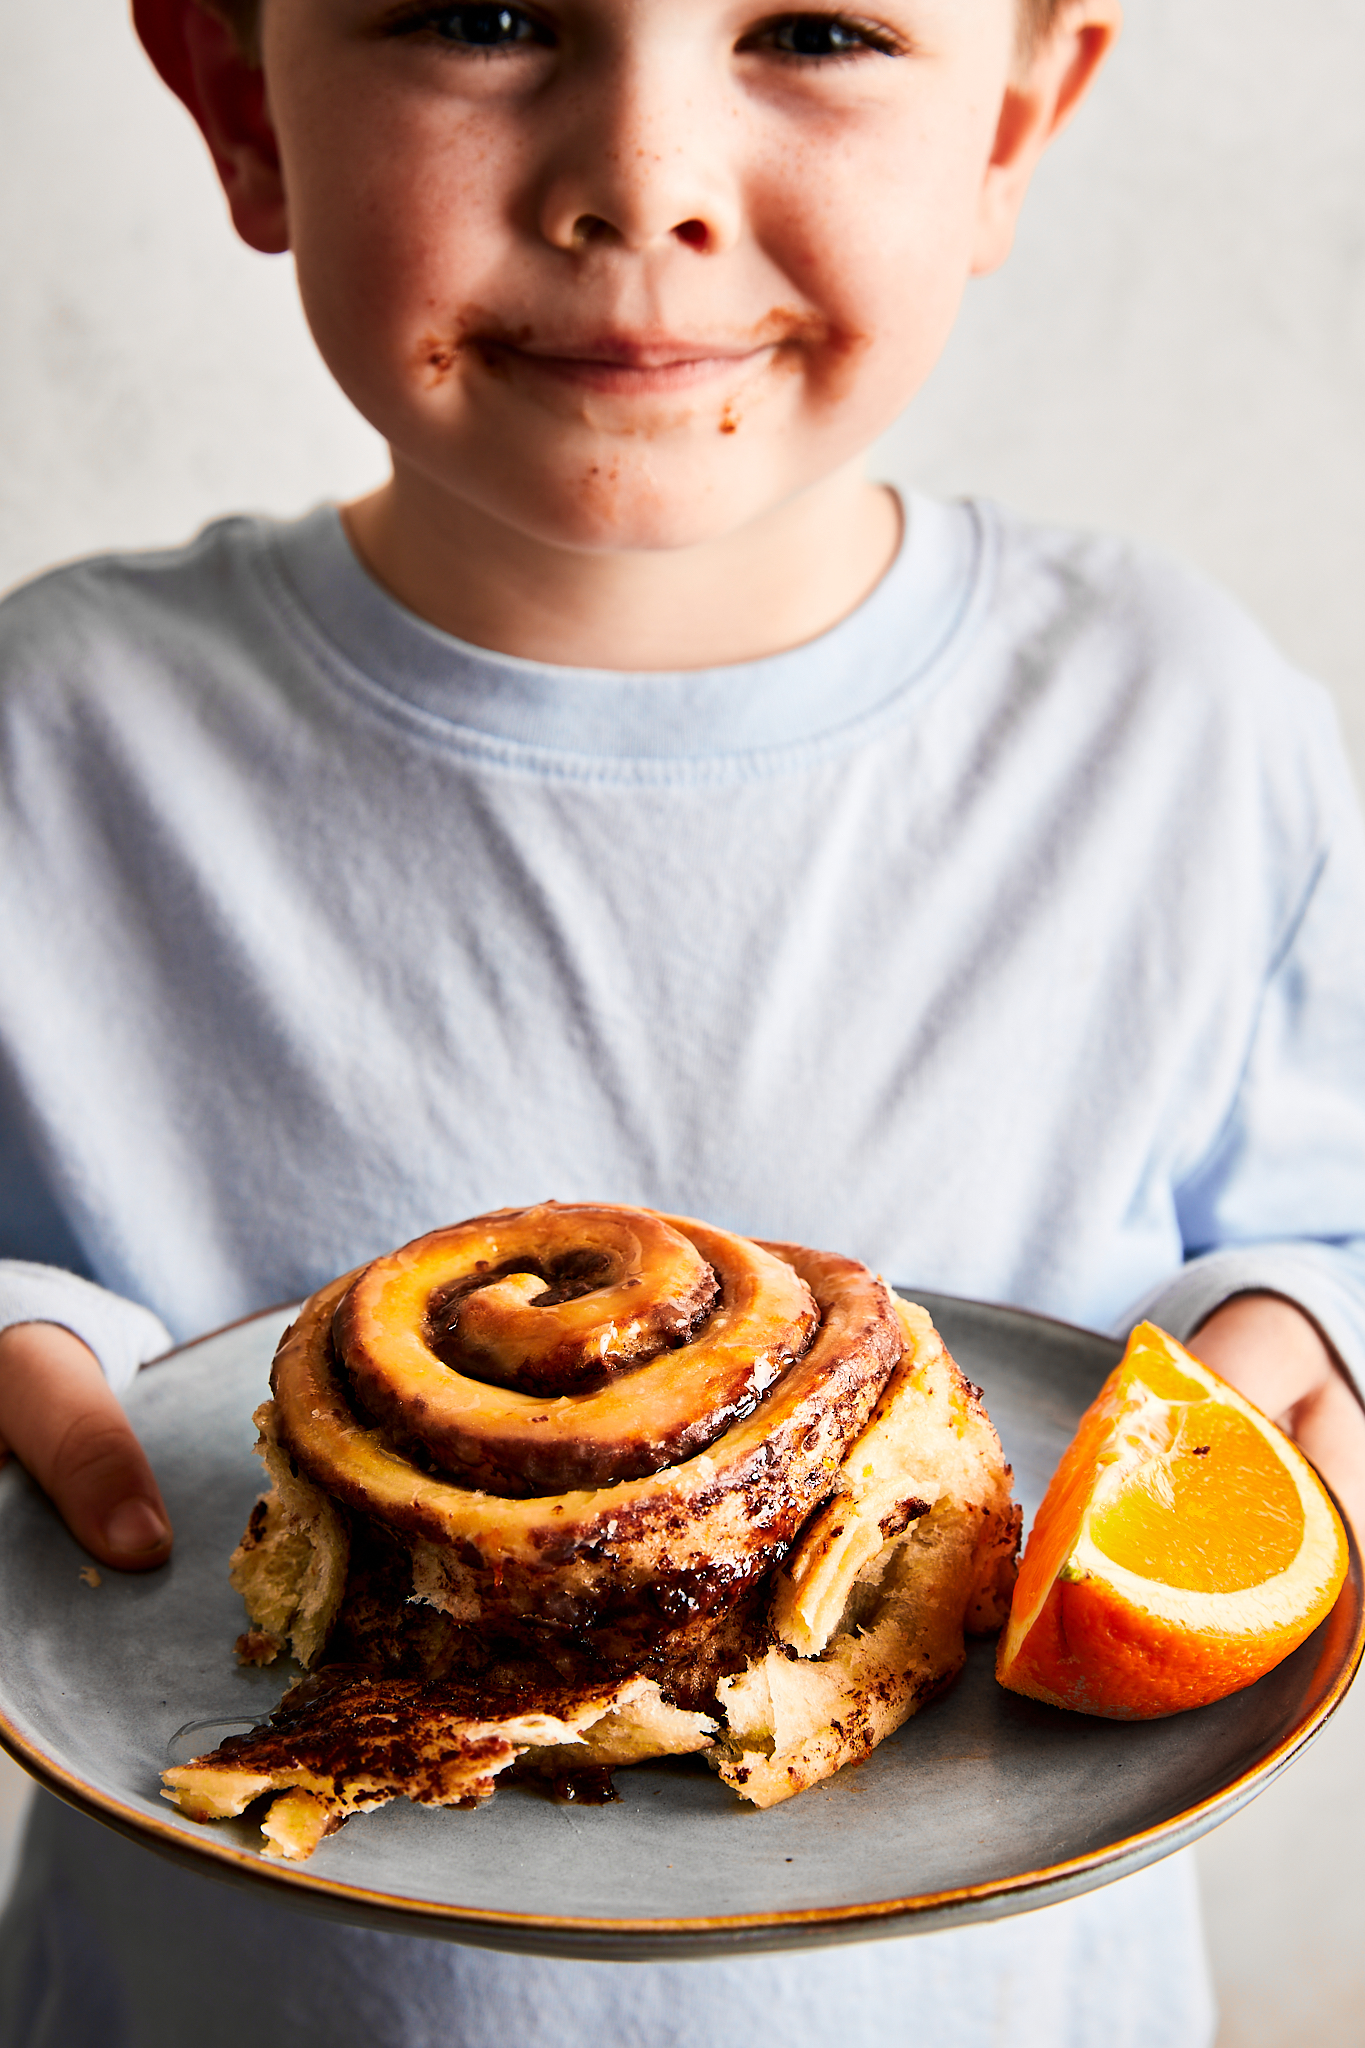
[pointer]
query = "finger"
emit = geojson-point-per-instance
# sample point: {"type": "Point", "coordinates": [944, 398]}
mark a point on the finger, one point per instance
{"type": "Point", "coordinates": [1267, 1348]}
{"type": "Point", "coordinates": [1330, 1427]}
{"type": "Point", "coordinates": [1277, 1357]}
{"type": "Point", "coordinates": [63, 1422]}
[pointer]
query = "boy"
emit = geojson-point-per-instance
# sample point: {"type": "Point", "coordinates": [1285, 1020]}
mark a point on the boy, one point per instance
{"type": "Point", "coordinates": [630, 800]}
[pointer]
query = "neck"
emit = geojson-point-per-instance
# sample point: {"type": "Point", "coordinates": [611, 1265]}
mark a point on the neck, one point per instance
{"type": "Point", "coordinates": [775, 583]}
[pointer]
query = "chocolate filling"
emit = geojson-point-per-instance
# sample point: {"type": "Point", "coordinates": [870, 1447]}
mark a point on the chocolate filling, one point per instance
{"type": "Point", "coordinates": [687, 1636]}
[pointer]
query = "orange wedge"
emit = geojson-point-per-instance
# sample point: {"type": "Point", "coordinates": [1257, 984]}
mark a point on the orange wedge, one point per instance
{"type": "Point", "coordinates": [1184, 1547]}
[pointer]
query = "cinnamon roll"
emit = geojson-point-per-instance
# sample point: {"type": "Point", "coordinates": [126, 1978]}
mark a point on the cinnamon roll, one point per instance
{"type": "Point", "coordinates": [581, 1484]}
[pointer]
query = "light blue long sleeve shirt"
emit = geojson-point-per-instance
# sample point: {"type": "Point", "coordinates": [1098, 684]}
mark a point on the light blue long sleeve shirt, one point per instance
{"type": "Point", "coordinates": [1010, 936]}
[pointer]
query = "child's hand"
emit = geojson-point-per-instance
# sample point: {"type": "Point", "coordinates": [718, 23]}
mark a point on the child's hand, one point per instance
{"type": "Point", "coordinates": [1272, 1353]}
{"type": "Point", "coordinates": [63, 1422]}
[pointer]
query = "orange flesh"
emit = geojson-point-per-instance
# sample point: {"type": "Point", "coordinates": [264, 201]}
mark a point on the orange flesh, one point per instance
{"type": "Point", "coordinates": [1165, 1379]}
{"type": "Point", "coordinates": [1170, 1523]}
{"type": "Point", "coordinates": [1173, 1523]}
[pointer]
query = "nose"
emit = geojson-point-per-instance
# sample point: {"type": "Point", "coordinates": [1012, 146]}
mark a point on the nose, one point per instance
{"type": "Point", "coordinates": [636, 168]}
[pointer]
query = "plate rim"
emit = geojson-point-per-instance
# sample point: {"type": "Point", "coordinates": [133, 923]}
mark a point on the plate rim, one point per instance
{"type": "Point", "coordinates": [856, 1919]}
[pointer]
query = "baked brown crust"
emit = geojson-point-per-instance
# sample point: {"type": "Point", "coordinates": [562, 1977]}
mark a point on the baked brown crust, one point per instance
{"type": "Point", "coordinates": [348, 1741]}
{"type": "Point", "coordinates": [623, 1283]}
{"type": "Point", "coordinates": [682, 1331]}
{"type": "Point", "coordinates": [781, 1599]}
{"type": "Point", "coordinates": [626, 1573]}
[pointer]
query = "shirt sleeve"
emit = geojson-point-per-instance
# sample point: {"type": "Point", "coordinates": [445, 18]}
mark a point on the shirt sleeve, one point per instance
{"type": "Point", "coordinates": [1279, 1203]}
{"type": "Point", "coordinates": [122, 1334]}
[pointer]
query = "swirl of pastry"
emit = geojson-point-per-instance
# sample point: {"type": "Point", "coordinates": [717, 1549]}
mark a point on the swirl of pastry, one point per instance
{"type": "Point", "coordinates": [440, 1339]}
{"type": "Point", "coordinates": [623, 1284]}
{"type": "Point", "coordinates": [631, 1567]}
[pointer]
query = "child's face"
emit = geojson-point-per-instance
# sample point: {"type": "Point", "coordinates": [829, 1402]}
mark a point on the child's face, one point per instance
{"type": "Point", "coordinates": [625, 274]}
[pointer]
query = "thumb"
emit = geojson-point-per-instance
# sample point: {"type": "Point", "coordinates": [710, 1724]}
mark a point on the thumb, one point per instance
{"type": "Point", "coordinates": [62, 1420]}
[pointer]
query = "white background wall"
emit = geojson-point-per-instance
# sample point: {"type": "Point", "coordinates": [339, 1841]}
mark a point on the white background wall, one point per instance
{"type": "Point", "coordinates": [1177, 351]}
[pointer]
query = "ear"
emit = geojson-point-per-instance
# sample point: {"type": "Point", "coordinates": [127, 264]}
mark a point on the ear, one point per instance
{"type": "Point", "coordinates": [200, 60]}
{"type": "Point", "coordinates": [1050, 80]}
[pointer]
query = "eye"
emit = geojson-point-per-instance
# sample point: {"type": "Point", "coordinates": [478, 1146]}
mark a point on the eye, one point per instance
{"type": "Point", "coordinates": [476, 26]}
{"type": "Point", "coordinates": [813, 36]}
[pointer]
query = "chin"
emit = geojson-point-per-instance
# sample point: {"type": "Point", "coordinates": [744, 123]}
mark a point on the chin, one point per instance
{"type": "Point", "coordinates": [621, 504]}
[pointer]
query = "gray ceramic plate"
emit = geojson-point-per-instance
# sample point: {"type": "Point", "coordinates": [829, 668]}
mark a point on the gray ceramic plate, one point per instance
{"type": "Point", "coordinates": [983, 1805]}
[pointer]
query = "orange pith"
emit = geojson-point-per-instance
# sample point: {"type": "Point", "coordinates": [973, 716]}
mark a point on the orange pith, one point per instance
{"type": "Point", "coordinates": [1183, 1548]}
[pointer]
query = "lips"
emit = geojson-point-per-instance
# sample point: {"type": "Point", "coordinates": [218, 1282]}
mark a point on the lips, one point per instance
{"type": "Point", "coordinates": [624, 365]}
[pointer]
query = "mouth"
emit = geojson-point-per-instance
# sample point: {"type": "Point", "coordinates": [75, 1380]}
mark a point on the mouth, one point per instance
{"type": "Point", "coordinates": [622, 365]}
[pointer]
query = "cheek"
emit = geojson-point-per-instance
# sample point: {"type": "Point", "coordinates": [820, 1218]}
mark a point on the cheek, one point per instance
{"type": "Point", "coordinates": [880, 239]}
{"type": "Point", "coordinates": [385, 258]}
